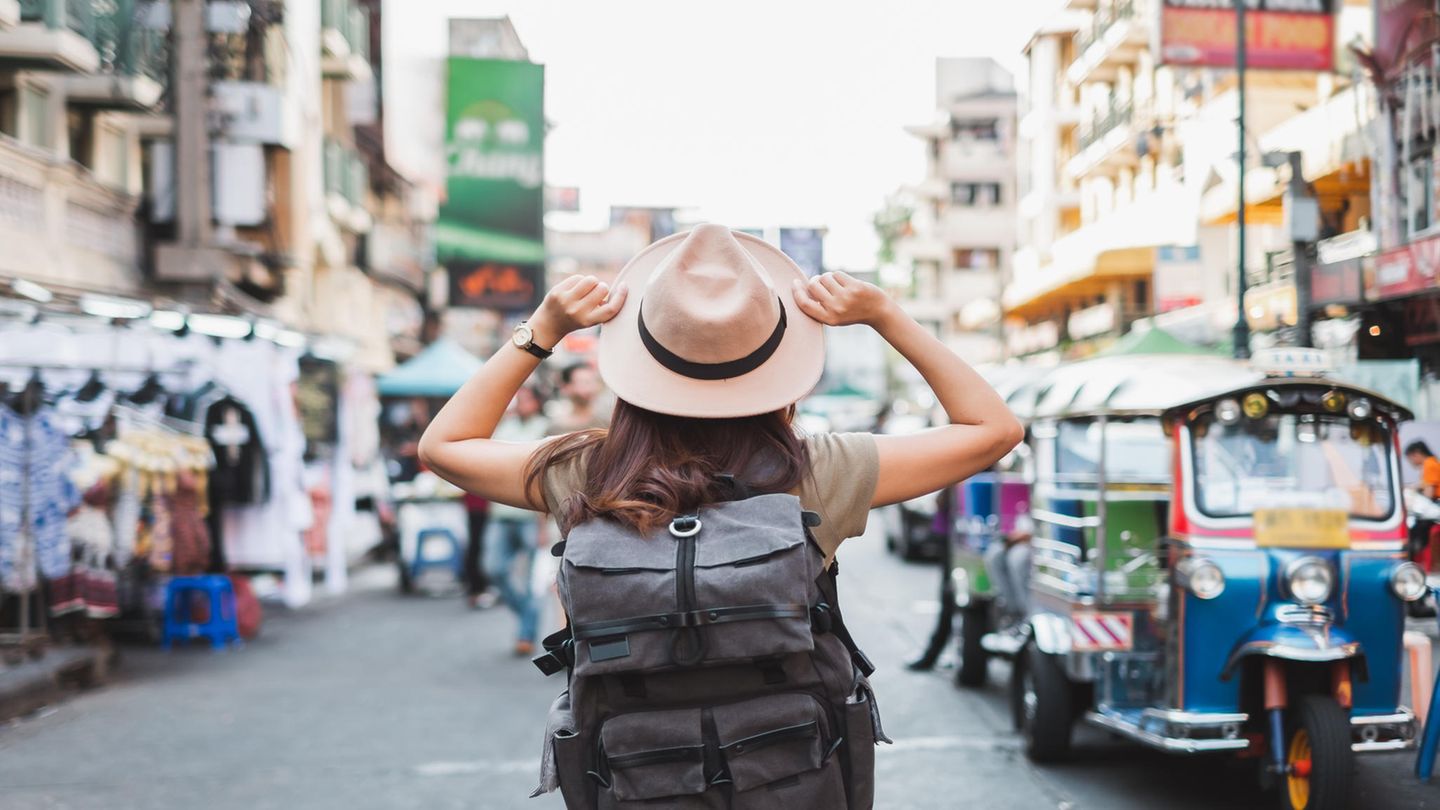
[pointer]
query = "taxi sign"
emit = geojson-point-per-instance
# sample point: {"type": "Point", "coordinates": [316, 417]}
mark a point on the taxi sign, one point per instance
{"type": "Point", "coordinates": [1302, 528]}
{"type": "Point", "coordinates": [1290, 362]}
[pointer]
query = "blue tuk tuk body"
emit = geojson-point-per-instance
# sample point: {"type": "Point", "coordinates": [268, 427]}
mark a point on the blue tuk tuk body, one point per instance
{"type": "Point", "coordinates": [1219, 571]}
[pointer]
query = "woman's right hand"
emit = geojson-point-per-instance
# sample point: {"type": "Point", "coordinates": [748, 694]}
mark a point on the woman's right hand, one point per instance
{"type": "Point", "coordinates": [575, 303]}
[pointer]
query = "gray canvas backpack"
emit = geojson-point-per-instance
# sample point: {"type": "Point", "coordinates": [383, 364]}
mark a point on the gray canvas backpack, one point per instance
{"type": "Point", "coordinates": [709, 667]}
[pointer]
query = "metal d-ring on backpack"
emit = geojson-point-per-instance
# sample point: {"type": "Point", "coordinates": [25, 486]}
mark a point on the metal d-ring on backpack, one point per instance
{"type": "Point", "coordinates": [709, 667]}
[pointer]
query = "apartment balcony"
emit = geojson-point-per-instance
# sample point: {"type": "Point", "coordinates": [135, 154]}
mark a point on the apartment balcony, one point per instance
{"type": "Point", "coordinates": [60, 223]}
{"type": "Point", "coordinates": [347, 184]}
{"type": "Point", "coordinates": [1117, 247]}
{"type": "Point", "coordinates": [344, 40]}
{"type": "Point", "coordinates": [134, 63]}
{"type": "Point", "coordinates": [1117, 35]}
{"type": "Point", "coordinates": [1106, 144]}
{"type": "Point", "coordinates": [977, 226]}
{"type": "Point", "coordinates": [976, 160]}
{"type": "Point", "coordinates": [52, 35]}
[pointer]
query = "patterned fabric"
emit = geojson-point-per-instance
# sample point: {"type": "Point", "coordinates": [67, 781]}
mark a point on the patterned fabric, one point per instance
{"type": "Point", "coordinates": [35, 496]}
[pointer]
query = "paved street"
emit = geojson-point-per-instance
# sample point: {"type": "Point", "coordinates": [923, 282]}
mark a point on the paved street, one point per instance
{"type": "Point", "coordinates": [379, 701]}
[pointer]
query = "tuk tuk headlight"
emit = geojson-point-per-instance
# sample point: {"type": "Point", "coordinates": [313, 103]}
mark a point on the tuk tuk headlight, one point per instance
{"type": "Point", "coordinates": [1309, 580]}
{"type": "Point", "coordinates": [1203, 577]}
{"type": "Point", "coordinates": [1408, 582]}
{"type": "Point", "coordinates": [1227, 412]}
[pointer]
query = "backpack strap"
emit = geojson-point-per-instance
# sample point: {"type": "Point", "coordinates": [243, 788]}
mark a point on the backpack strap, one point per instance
{"type": "Point", "coordinates": [559, 652]}
{"type": "Point", "coordinates": [826, 618]}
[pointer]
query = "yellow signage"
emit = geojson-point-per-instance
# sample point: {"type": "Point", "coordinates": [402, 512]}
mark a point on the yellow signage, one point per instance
{"type": "Point", "coordinates": [1302, 528]}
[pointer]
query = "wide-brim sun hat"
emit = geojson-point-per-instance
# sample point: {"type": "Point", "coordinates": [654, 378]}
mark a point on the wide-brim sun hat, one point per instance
{"type": "Point", "coordinates": [710, 328]}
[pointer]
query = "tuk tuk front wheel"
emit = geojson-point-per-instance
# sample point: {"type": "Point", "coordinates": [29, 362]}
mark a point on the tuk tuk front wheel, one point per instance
{"type": "Point", "coordinates": [974, 659]}
{"type": "Point", "coordinates": [1318, 758]}
{"type": "Point", "coordinates": [1042, 697]}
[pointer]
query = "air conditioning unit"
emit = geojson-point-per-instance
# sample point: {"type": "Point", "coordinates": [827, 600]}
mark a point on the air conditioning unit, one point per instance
{"type": "Point", "coordinates": [255, 112]}
{"type": "Point", "coordinates": [238, 183]}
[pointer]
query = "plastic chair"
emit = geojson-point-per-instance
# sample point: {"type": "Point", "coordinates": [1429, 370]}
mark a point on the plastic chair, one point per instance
{"type": "Point", "coordinates": [454, 561]}
{"type": "Point", "coordinates": [220, 625]}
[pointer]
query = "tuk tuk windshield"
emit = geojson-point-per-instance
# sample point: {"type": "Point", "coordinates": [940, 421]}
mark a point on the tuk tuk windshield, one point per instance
{"type": "Point", "coordinates": [1292, 461]}
{"type": "Point", "coordinates": [1135, 450]}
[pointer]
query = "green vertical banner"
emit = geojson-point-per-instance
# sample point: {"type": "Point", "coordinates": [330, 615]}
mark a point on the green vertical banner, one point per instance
{"type": "Point", "coordinates": [490, 236]}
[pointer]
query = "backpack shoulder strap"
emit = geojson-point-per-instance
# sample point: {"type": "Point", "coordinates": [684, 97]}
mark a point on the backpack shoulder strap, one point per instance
{"type": "Point", "coordinates": [831, 616]}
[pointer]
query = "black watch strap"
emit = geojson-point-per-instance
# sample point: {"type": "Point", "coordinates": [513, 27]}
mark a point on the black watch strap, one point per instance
{"type": "Point", "coordinates": [537, 351]}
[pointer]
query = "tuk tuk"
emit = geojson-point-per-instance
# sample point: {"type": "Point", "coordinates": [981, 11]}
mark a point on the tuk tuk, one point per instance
{"type": "Point", "coordinates": [989, 507]}
{"type": "Point", "coordinates": [1219, 568]}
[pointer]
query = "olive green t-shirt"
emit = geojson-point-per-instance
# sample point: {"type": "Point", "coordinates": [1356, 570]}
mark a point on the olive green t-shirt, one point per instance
{"type": "Point", "coordinates": [841, 483]}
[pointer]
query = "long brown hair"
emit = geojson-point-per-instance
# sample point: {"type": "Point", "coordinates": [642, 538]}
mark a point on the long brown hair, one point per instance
{"type": "Point", "coordinates": [649, 467]}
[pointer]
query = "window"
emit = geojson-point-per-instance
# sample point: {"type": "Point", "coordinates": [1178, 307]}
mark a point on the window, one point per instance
{"type": "Point", "coordinates": [1420, 194]}
{"type": "Point", "coordinates": [34, 115]}
{"type": "Point", "coordinates": [977, 258]}
{"type": "Point", "coordinates": [975, 194]}
{"type": "Point", "coordinates": [975, 130]}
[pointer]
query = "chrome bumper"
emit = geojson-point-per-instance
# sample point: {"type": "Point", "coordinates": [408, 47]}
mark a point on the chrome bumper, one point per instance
{"type": "Point", "coordinates": [1178, 732]}
{"type": "Point", "coordinates": [1384, 732]}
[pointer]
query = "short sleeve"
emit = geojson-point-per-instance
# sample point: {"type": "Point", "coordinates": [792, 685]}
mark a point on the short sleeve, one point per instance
{"type": "Point", "coordinates": [560, 481]}
{"type": "Point", "coordinates": [1430, 473]}
{"type": "Point", "coordinates": [844, 468]}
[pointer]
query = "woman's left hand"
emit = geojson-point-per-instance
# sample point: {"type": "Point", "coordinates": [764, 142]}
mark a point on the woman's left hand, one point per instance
{"type": "Point", "coordinates": [836, 299]}
{"type": "Point", "coordinates": [575, 303]}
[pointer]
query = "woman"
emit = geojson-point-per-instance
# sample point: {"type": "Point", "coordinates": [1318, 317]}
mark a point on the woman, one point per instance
{"type": "Point", "coordinates": [710, 338]}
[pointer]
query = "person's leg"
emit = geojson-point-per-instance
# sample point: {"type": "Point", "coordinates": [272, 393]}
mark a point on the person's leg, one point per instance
{"type": "Point", "coordinates": [999, 573]}
{"type": "Point", "coordinates": [527, 537]}
{"type": "Point", "coordinates": [500, 551]}
{"type": "Point", "coordinates": [1017, 565]}
{"type": "Point", "coordinates": [945, 619]}
{"type": "Point", "coordinates": [476, 581]}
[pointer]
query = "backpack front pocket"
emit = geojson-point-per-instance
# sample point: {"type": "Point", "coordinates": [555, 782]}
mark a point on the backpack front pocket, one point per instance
{"type": "Point", "coordinates": [650, 755]}
{"type": "Point", "coordinates": [778, 751]}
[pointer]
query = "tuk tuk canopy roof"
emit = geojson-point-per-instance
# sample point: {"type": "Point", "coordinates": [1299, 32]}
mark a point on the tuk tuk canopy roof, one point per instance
{"type": "Point", "coordinates": [438, 371]}
{"type": "Point", "coordinates": [1137, 384]}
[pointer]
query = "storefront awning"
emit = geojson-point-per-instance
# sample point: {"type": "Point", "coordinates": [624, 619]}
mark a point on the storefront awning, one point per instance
{"type": "Point", "coordinates": [438, 371]}
{"type": "Point", "coordinates": [1080, 283]}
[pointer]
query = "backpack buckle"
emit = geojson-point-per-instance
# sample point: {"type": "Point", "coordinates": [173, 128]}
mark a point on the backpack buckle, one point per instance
{"type": "Point", "coordinates": [685, 526]}
{"type": "Point", "coordinates": [822, 620]}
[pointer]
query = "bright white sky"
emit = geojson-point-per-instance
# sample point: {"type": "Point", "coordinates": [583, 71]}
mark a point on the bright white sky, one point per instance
{"type": "Point", "coordinates": [753, 113]}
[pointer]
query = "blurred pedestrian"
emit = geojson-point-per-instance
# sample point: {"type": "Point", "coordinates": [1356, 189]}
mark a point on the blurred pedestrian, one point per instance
{"type": "Point", "coordinates": [712, 338]}
{"type": "Point", "coordinates": [512, 534]}
{"type": "Point", "coordinates": [580, 389]}
{"type": "Point", "coordinates": [1419, 455]}
{"type": "Point", "coordinates": [477, 582]}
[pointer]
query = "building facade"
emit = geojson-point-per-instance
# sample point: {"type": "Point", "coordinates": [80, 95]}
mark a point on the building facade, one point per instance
{"type": "Point", "coordinates": [282, 219]}
{"type": "Point", "coordinates": [962, 222]}
{"type": "Point", "coordinates": [1129, 186]}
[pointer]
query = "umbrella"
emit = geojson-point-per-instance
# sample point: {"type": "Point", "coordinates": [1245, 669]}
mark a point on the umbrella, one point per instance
{"type": "Point", "coordinates": [438, 371]}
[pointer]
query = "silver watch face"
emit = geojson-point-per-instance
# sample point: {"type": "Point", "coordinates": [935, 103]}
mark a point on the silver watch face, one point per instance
{"type": "Point", "coordinates": [523, 335]}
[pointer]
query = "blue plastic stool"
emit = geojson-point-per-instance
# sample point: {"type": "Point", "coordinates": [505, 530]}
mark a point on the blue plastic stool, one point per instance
{"type": "Point", "coordinates": [1430, 737]}
{"type": "Point", "coordinates": [454, 562]}
{"type": "Point", "coordinates": [220, 627]}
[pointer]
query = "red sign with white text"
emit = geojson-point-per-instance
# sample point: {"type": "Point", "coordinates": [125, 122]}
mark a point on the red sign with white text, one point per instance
{"type": "Point", "coordinates": [1407, 269]}
{"type": "Point", "coordinates": [1279, 34]}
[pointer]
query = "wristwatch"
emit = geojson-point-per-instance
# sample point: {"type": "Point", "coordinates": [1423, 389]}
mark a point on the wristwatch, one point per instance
{"type": "Point", "coordinates": [524, 338]}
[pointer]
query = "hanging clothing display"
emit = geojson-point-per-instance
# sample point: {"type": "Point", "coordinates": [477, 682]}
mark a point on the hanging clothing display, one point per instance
{"type": "Point", "coordinates": [35, 497]}
{"type": "Point", "coordinates": [241, 474]}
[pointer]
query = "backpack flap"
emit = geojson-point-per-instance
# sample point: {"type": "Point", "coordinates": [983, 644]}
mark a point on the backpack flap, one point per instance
{"type": "Point", "coordinates": [733, 582]}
